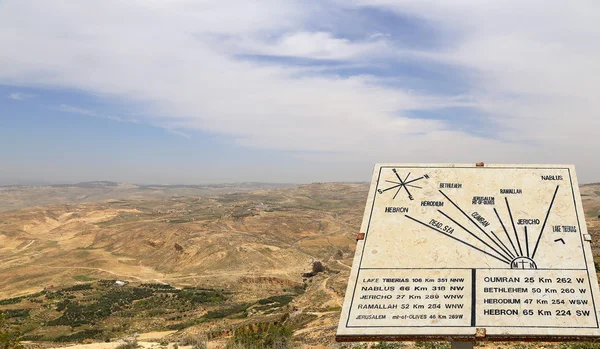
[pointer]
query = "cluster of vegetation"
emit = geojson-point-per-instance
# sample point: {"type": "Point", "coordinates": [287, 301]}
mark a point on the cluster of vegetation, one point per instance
{"type": "Point", "coordinates": [10, 335]}
{"type": "Point", "coordinates": [85, 308]}
{"type": "Point", "coordinates": [262, 336]}
{"type": "Point", "coordinates": [281, 299]}
{"type": "Point", "coordinates": [16, 300]}
{"type": "Point", "coordinates": [267, 305]}
{"type": "Point", "coordinates": [579, 345]}
{"type": "Point", "coordinates": [224, 312]}
{"type": "Point", "coordinates": [402, 345]}
{"type": "Point", "coordinates": [79, 287]}
{"type": "Point", "coordinates": [180, 301]}
{"type": "Point", "coordinates": [433, 345]}
{"type": "Point", "coordinates": [380, 345]}
{"type": "Point", "coordinates": [158, 287]}
{"type": "Point", "coordinates": [15, 313]}
{"type": "Point", "coordinates": [79, 336]}
{"type": "Point", "coordinates": [101, 309]}
{"type": "Point", "coordinates": [76, 314]}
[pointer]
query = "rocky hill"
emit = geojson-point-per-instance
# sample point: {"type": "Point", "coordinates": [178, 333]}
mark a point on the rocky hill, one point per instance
{"type": "Point", "coordinates": [251, 246]}
{"type": "Point", "coordinates": [190, 263]}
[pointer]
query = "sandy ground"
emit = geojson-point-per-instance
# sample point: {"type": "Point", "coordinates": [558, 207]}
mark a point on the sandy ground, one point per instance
{"type": "Point", "coordinates": [154, 335]}
{"type": "Point", "coordinates": [113, 345]}
{"type": "Point", "coordinates": [144, 340]}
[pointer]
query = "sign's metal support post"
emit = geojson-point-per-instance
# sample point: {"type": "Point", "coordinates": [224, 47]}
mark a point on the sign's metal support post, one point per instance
{"type": "Point", "coordinates": [461, 345]}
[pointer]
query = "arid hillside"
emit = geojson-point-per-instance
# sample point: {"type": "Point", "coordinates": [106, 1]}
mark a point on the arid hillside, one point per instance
{"type": "Point", "coordinates": [251, 245]}
{"type": "Point", "coordinates": [191, 263]}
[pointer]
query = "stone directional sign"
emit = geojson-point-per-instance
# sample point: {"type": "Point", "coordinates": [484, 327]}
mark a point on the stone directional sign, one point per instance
{"type": "Point", "coordinates": [464, 251]}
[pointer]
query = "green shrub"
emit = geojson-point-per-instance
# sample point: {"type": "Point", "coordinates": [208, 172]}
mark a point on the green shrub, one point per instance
{"type": "Point", "coordinates": [579, 345]}
{"type": "Point", "coordinates": [201, 296]}
{"type": "Point", "coordinates": [106, 283]}
{"type": "Point", "coordinates": [80, 314]}
{"type": "Point", "coordinates": [11, 300]}
{"type": "Point", "coordinates": [13, 313]}
{"type": "Point", "coordinates": [433, 345]}
{"type": "Point", "coordinates": [80, 287]}
{"type": "Point", "coordinates": [221, 313]}
{"type": "Point", "coordinates": [79, 336]}
{"type": "Point", "coordinates": [281, 300]}
{"type": "Point", "coordinates": [263, 336]}
{"type": "Point", "coordinates": [10, 336]}
{"type": "Point", "coordinates": [158, 286]}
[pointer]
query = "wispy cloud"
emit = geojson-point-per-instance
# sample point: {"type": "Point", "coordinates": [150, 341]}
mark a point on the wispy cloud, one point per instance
{"type": "Point", "coordinates": [18, 96]}
{"type": "Point", "coordinates": [77, 110]}
{"type": "Point", "coordinates": [87, 112]}
{"type": "Point", "coordinates": [179, 133]}
{"type": "Point", "coordinates": [313, 45]}
{"type": "Point", "coordinates": [185, 64]}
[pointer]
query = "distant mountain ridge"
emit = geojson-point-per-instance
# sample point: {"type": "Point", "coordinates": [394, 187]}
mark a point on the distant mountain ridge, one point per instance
{"type": "Point", "coordinates": [13, 197]}
{"type": "Point", "coordinates": [100, 184]}
{"type": "Point", "coordinates": [93, 184]}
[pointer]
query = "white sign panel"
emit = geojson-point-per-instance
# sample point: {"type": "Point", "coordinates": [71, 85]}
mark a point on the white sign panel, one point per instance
{"type": "Point", "coordinates": [451, 251]}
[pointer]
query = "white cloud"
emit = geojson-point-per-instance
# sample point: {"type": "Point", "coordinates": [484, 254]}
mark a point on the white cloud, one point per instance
{"type": "Point", "coordinates": [18, 96]}
{"type": "Point", "coordinates": [313, 45]}
{"type": "Point", "coordinates": [379, 35]}
{"type": "Point", "coordinates": [165, 58]}
{"type": "Point", "coordinates": [533, 68]}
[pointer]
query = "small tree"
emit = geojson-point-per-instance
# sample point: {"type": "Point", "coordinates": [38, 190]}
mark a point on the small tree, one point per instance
{"type": "Point", "coordinates": [317, 267]}
{"type": "Point", "coordinates": [10, 335]}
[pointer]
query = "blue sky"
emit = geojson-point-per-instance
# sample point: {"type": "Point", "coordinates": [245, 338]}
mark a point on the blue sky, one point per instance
{"type": "Point", "coordinates": [292, 91]}
{"type": "Point", "coordinates": [51, 141]}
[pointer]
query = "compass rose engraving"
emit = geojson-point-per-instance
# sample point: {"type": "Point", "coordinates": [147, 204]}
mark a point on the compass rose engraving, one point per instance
{"type": "Point", "coordinates": [402, 183]}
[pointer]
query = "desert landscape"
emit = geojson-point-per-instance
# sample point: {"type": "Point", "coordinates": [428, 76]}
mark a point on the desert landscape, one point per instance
{"type": "Point", "coordinates": [102, 263]}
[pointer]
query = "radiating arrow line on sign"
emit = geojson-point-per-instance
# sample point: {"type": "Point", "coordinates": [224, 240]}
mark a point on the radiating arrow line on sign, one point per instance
{"type": "Point", "coordinates": [513, 225]}
{"type": "Point", "coordinates": [473, 235]}
{"type": "Point", "coordinates": [561, 240]}
{"type": "Point", "coordinates": [505, 249]}
{"type": "Point", "coordinates": [472, 221]}
{"type": "Point", "coordinates": [544, 225]}
{"type": "Point", "coordinates": [505, 232]}
{"type": "Point", "coordinates": [526, 242]}
{"type": "Point", "coordinates": [459, 240]}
